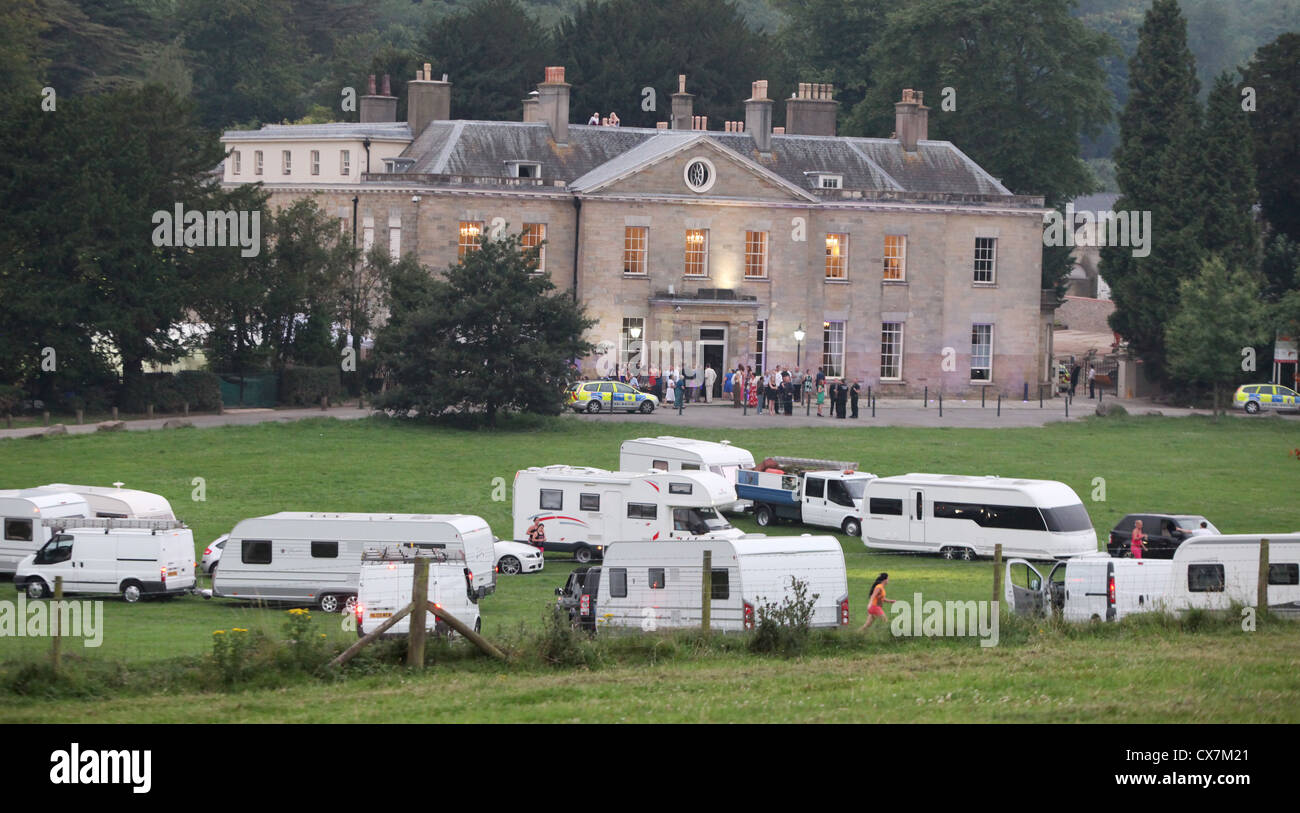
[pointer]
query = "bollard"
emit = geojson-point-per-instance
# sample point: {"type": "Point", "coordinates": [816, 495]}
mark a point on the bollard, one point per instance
{"type": "Point", "coordinates": [1067, 407]}
{"type": "Point", "coordinates": [940, 403]}
{"type": "Point", "coordinates": [186, 409]}
{"type": "Point", "coordinates": [45, 418]}
{"type": "Point", "coordinates": [114, 413]}
{"type": "Point", "coordinates": [999, 405]}
{"type": "Point", "coordinates": [873, 407]}
{"type": "Point", "coordinates": [324, 402]}
{"type": "Point", "coordinates": [81, 414]}
{"type": "Point", "coordinates": [982, 391]}
{"type": "Point", "coordinates": [926, 398]}
{"type": "Point", "coordinates": [149, 411]}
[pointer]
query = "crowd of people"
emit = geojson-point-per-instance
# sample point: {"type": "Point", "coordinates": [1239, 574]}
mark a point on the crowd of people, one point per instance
{"type": "Point", "coordinates": [774, 392]}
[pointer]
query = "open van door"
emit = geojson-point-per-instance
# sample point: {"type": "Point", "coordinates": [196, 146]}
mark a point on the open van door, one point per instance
{"type": "Point", "coordinates": [1025, 590]}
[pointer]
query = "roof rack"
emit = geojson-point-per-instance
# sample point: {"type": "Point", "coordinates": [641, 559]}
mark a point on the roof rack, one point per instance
{"type": "Point", "coordinates": [109, 523]}
{"type": "Point", "coordinates": [408, 552]}
{"type": "Point", "coordinates": [813, 464]}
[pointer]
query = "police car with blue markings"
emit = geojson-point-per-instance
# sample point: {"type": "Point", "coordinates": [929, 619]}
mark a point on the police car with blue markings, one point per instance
{"type": "Point", "coordinates": [1254, 397]}
{"type": "Point", "coordinates": [607, 396]}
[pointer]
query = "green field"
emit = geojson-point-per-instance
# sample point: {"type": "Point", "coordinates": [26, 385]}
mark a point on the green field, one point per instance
{"type": "Point", "coordinates": [1238, 473]}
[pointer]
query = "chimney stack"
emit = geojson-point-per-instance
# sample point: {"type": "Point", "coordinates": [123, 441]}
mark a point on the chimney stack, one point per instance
{"type": "Point", "coordinates": [531, 113]}
{"type": "Point", "coordinates": [376, 107]}
{"type": "Point", "coordinates": [683, 106]}
{"type": "Point", "coordinates": [911, 119]}
{"type": "Point", "coordinates": [427, 100]}
{"type": "Point", "coordinates": [758, 116]}
{"type": "Point", "coordinates": [553, 104]}
{"type": "Point", "coordinates": [811, 110]}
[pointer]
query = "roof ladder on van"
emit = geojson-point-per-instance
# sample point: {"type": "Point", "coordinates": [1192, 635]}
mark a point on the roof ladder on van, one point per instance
{"type": "Point", "coordinates": [797, 464]}
{"type": "Point", "coordinates": [108, 523]}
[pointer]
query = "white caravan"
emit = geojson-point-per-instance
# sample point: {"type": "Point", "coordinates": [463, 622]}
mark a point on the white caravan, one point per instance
{"type": "Point", "coordinates": [826, 493]}
{"type": "Point", "coordinates": [583, 509]}
{"type": "Point", "coordinates": [136, 558]}
{"type": "Point", "coordinates": [27, 515]}
{"type": "Point", "coordinates": [1206, 572]}
{"type": "Point", "coordinates": [384, 587]}
{"type": "Point", "coordinates": [657, 585]}
{"type": "Point", "coordinates": [958, 516]}
{"type": "Point", "coordinates": [669, 453]}
{"type": "Point", "coordinates": [306, 558]}
{"type": "Point", "coordinates": [118, 502]}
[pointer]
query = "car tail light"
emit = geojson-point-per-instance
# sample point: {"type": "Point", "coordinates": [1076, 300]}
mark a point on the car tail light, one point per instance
{"type": "Point", "coordinates": [844, 611]}
{"type": "Point", "coordinates": [749, 615]}
{"type": "Point", "coordinates": [207, 551]}
{"type": "Point", "coordinates": [164, 576]}
{"type": "Point", "coordinates": [584, 605]}
{"type": "Point", "coordinates": [1110, 590]}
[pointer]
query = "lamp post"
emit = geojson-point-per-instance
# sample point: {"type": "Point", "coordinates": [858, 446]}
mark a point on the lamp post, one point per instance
{"type": "Point", "coordinates": [798, 353]}
{"type": "Point", "coordinates": [634, 333]}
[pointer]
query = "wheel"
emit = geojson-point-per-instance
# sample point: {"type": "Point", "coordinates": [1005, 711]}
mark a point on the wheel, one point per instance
{"type": "Point", "coordinates": [852, 526]}
{"type": "Point", "coordinates": [646, 407]}
{"type": "Point", "coordinates": [968, 554]}
{"type": "Point", "coordinates": [763, 516]}
{"type": "Point", "coordinates": [132, 591]}
{"type": "Point", "coordinates": [212, 571]}
{"type": "Point", "coordinates": [1252, 407]}
{"type": "Point", "coordinates": [593, 407]}
{"type": "Point", "coordinates": [37, 588]}
{"type": "Point", "coordinates": [948, 553]}
{"type": "Point", "coordinates": [583, 555]}
{"type": "Point", "coordinates": [350, 604]}
{"type": "Point", "coordinates": [329, 603]}
{"type": "Point", "coordinates": [509, 565]}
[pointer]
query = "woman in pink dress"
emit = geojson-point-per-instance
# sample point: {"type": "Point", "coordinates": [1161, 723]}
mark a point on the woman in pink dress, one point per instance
{"type": "Point", "coordinates": [1138, 541]}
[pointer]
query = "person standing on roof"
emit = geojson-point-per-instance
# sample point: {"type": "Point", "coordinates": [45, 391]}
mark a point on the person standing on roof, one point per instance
{"type": "Point", "coordinates": [613, 119]}
{"type": "Point", "coordinates": [595, 118]}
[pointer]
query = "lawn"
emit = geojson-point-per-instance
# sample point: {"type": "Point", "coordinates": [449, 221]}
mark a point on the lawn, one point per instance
{"type": "Point", "coordinates": [1238, 473]}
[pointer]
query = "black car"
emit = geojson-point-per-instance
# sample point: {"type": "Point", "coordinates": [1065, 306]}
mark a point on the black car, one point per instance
{"type": "Point", "coordinates": [578, 597]}
{"type": "Point", "coordinates": [1165, 532]}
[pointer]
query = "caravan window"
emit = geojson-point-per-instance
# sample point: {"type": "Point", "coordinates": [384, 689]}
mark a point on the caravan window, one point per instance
{"type": "Point", "coordinates": [18, 530]}
{"type": "Point", "coordinates": [721, 583]}
{"type": "Point", "coordinates": [324, 550]}
{"type": "Point", "coordinates": [1013, 517]}
{"type": "Point", "coordinates": [642, 510]}
{"type": "Point", "coordinates": [552, 499]}
{"type": "Point", "coordinates": [255, 551]}
{"type": "Point", "coordinates": [618, 582]}
{"type": "Point", "coordinates": [1067, 518]}
{"type": "Point", "coordinates": [656, 578]}
{"type": "Point", "coordinates": [886, 505]}
{"type": "Point", "coordinates": [1205, 578]}
{"type": "Point", "coordinates": [958, 510]}
{"type": "Point", "coordinates": [690, 467]}
{"type": "Point", "coordinates": [679, 488]}
{"type": "Point", "coordinates": [661, 465]}
{"type": "Point", "coordinates": [1284, 573]}
{"type": "Point", "coordinates": [589, 502]}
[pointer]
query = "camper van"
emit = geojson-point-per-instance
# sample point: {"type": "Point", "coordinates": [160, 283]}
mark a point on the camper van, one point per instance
{"type": "Point", "coordinates": [136, 558]}
{"type": "Point", "coordinates": [958, 516]}
{"type": "Point", "coordinates": [307, 558]}
{"type": "Point", "coordinates": [581, 509]}
{"type": "Point", "coordinates": [118, 502]}
{"type": "Point", "coordinates": [825, 493]}
{"type": "Point", "coordinates": [27, 514]}
{"type": "Point", "coordinates": [657, 585]}
{"type": "Point", "coordinates": [1206, 572]}
{"type": "Point", "coordinates": [668, 453]}
{"type": "Point", "coordinates": [384, 587]}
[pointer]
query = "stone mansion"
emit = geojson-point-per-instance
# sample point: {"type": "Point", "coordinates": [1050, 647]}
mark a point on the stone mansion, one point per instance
{"type": "Point", "coordinates": [895, 261]}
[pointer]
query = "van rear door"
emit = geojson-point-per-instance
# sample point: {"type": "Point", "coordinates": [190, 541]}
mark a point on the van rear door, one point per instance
{"type": "Point", "coordinates": [1024, 590]}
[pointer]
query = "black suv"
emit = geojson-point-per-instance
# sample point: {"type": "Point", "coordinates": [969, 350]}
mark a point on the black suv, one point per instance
{"type": "Point", "coordinates": [578, 597]}
{"type": "Point", "coordinates": [1165, 532]}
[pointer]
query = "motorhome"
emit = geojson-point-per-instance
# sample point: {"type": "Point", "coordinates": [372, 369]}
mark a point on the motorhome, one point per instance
{"type": "Point", "coordinates": [136, 558]}
{"type": "Point", "coordinates": [1206, 572]}
{"type": "Point", "coordinates": [656, 585]}
{"type": "Point", "coordinates": [669, 453]}
{"type": "Point", "coordinates": [825, 493]}
{"type": "Point", "coordinates": [309, 558]}
{"type": "Point", "coordinates": [581, 509]}
{"type": "Point", "coordinates": [118, 502]}
{"type": "Point", "coordinates": [958, 516]}
{"type": "Point", "coordinates": [26, 514]}
{"type": "Point", "coordinates": [385, 584]}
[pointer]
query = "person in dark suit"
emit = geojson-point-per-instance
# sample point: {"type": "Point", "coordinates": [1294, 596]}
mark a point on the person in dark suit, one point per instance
{"type": "Point", "coordinates": [853, 397]}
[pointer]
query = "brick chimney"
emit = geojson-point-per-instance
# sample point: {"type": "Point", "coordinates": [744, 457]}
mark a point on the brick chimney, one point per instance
{"type": "Point", "coordinates": [811, 110]}
{"type": "Point", "coordinates": [758, 116]}
{"type": "Point", "coordinates": [427, 100]}
{"type": "Point", "coordinates": [553, 104]}
{"type": "Point", "coordinates": [683, 106]}
{"type": "Point", "coordinates": [911, 119]}
{"type": "Point", "coordinates": [378, 107]}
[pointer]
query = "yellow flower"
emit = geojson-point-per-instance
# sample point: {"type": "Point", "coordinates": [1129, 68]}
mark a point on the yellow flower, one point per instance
{"type": "Point", "coordinates": [238, 629]}
{"type": "Point", "coordinates": [219, 632]}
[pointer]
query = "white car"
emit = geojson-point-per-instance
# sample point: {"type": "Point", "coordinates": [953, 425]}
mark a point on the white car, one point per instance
{"type": "Point", "coordinates": [212, 554]}
{"type": "Point", "coordinates": [516, 557]}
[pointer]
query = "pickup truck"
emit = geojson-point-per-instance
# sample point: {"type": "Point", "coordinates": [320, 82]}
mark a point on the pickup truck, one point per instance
{"type": "Point", "coordinates": [826, 493]}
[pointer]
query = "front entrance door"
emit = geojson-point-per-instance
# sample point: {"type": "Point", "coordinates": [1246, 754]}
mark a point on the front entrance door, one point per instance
{"type": "Point", "coordinates": [713, 353]}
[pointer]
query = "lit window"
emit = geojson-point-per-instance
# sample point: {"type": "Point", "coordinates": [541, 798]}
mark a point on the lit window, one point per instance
{"type": "Point", "coordinates": [760, 345]}
{"type": "Point", "coordinates": [286, 162]}
{"type": "Point", "coordinates": [534, 236]}
{"type": "Point", "coordinates": [257, 162]}
{"type": "Point", "coordinates": [833, 348]}
{"type": "Point", "coordinates": [895, 257]}
{"type": "Point", "coordinates": [756, 254]}
{"type": "Point", "coordinates": [697, 252]}
{"type": "Point", "coordinates": [234, 159]}
{"type": "Point", "coordinates": [981, 353]}
{"type": "Point", "coordinates": [631, 342]}
{"type": "Point", "coordinates": [837, 256]}
{"type": "Point", "coordinates": [470, 233]}
{"type": "Point", "coordinates": [634, 249]}
{"type": "Point", "coordinates": [315, 162]}
{"type": "Point", "coordinates": [986, 250]}
{"type": "Point", "coordinates": [345, 162]}
{"type": "Point", "coordinates": [891, 351]}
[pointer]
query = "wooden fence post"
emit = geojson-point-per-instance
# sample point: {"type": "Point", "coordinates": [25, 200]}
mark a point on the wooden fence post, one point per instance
{"type": "Point", "coordinates": [469, 634]}
{"type": "Point", "coordinates": [114, 413]}
{"type": "Point", "coordinates": [369, 638]}
{"type": "Point", "coordinates": [997, 572]}
{"type": "Point", "coordinates": [706, 592]}
{"type": "Point", "coordinates": [57, 640]}
{"type": "Point", "coordinates": [419, 604]}
{"type": "Point", "coordinates": [1261, 599]}
{"type": "Point", "coordinates": [81, 414]}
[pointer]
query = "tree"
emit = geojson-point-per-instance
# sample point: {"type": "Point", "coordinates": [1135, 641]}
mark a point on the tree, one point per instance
{"type": "Point", "coordinates": [1219, 318]}
{"type": "Point", "coordinates": [492, 336]}
{"type": "Point", "coordinates": [1227, 180]}
{"type": "Point", "coordinates": [842, 59]}
{"type": "Point", "coordinates": [1274, 76]}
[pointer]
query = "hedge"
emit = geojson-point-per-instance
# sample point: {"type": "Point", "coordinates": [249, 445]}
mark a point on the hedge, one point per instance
{"type": "Point", "coordinates": [305, 386]}
{"type": "Point", "coordinates": [169, 392]}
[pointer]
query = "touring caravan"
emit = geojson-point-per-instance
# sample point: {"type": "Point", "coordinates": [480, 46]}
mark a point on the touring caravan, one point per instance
{"type": "Point", "coordinates": [307, 558]}
{"type": "Point", "coordinates": [581, 509]}
{"type": "Point", "coordinates": [657, 585]}
{"type": "Point", "coordinates": [669, 453]}
{"type": "Point", "coordinates": [959, 516]}
{"type": "Point", "coordinates": [386, 579]}
{"type": "Point", "coordinates": [1206, 572]}
{"type": "Point", "coordinates": [26, 514]}
{"type": "Point", "coordinates": [118, 502]}
{"type": "Point", "coordinates": [136, 558]}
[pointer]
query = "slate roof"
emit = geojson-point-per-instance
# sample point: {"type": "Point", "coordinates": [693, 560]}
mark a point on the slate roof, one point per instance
{"type": "Point", "coordinates": [397, 131]}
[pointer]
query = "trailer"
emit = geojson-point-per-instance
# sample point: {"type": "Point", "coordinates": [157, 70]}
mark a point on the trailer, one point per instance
{"type": "Point", "coordinates": [26, 514]}
{"type": "Point", "coordinates": [117, 502]}
{"type": "Point", "coordinates": [825, 493]}
{"type": "Point", "coordinates": [670, 453]}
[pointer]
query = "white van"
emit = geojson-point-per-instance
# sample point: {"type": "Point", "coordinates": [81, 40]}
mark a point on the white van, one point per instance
{"type": "Point", "coordinates": [306, 558]}
{"type": "Point", "coordinates": [26, 515]}
{"type": "Point", "coordinates": [958, 516]}
{"type": "Point", "coordinates": [384, 587]}
{"type": "Point", "coordinates": [657, 585]}
{"type": "Point", "coordinates": [136, 558]}
{"type": "Point", "coordinates": [669, 453]}
{"type": "Point", "coordinates": [118, 502]}
{"type": "Point", "coordinates": [1206, 572]}
{"type": "Point", "coordinates": [826, 493]}
{"type": "Point", "coordinates": [581, 509]}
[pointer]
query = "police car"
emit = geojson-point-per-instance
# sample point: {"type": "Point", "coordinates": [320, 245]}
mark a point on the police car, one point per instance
{"type": "Point", "coordinates": [607, 396]}
{"type": "Point", "coordinates": [1254, 397]}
